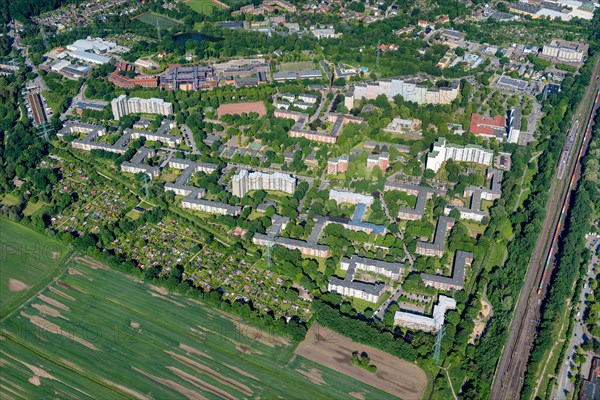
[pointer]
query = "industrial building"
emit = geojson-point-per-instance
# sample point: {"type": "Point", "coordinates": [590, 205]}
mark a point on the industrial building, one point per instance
{"type": "Point", "coordinates": [189, 78]}
{"type": "Point", "coordinates": [565, 51]}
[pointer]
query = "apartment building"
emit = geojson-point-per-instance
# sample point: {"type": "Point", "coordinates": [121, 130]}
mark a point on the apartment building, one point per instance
{"type": "Point", "coordinates": [368, 291]}
{"type": "Point", "coordinates": [425, 323]}
{"type": "Point", "coordinates": [343, 196]}
{"type": "Point", "coordinates": [211, 207]}
{"type": "Point", "coordinates": [457, 280]}
{"type": "Point", "coordinates": [437, 247]}
{"type": "Point", "coordinates": [423, 194]}
{"type": "Point", "coordinates": [123, 105]}
{"type": "Point", "coordinates": [443, 151]}
{"type": "Point", "coordinates": [338, 165]}
{"type": "Point", "coordinates": [245, 181]}
{"type": "Point", "coordinates": [378, 160]}
{"type": "Point", "coordinates": [409, 89]}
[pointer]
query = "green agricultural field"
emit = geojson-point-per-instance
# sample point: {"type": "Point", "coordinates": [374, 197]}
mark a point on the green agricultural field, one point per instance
{"type": "Point", "coordinates": [28, 260]}
{"type": "Point", "coordinates": [97, 333]}
{"type": "Point", "coordinates": [296, 66]}
{"type": "Point", "coordinates": [201, 6]}
{"type": "Point", "coordinates": [153, 18]}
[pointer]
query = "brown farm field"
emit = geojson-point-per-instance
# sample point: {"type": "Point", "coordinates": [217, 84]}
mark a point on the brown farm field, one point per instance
{"type": "Point", "coordinates": [394, 376]}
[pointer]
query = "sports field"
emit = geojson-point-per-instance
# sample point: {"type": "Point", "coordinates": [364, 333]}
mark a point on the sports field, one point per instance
{"type": "Point", "coordinates": [163, 21]}
{"type": "Point", "coordinates": [201, 6]}
{"type": "Point", "coordinates": [28, 260]}
{"type": "Point", "coordinates": [296, 66]}
{"type": "Point", "coordinates": [97, 333]}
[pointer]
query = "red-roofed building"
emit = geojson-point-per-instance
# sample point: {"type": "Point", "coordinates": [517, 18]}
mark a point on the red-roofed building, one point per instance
{"type": "Point", "coordinates": [422, 23]}
{"type": "Point", "coordinates": [488, 127]}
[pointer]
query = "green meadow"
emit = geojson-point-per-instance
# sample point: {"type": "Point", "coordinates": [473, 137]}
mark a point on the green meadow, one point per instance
{"type": "Point", "coordinates": [28, 260]}
{"type": "Point", "coordinates": [97, 333]}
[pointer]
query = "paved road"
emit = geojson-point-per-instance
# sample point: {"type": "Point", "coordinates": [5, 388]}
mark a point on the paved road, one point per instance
{"type": "Point", "coordinates": [509, 376]}
{"type": "Point", "coordinates": [78, 98]}
{"type": "Point", "coordinates": [189, 138]}
{"type": "Point", "coordinates": [565, 385]}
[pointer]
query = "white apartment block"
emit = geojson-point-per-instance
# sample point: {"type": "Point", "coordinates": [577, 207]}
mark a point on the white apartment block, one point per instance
{"type": "Point", "coordinates": [370, 293]}
{"type": "Point", "coordinates": [442, 151]}
{"type": "Point", "coordinates": [425, 323]}
{"type": "Point", "coordinates": [244, 182]}
{"type": "Point", "coordinates": [123, 105]}
{"type": "Point", "coordinates": [387, 269]}
{"type": "Point", "coordinates": [408, 89]}
{"type": "Point", "coordinates": [342, 196]}
{"type": "Point", "coordinates": [212, 207]}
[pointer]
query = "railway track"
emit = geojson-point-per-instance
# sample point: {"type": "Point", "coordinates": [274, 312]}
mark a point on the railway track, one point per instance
{"type": "Point", "coordinates": [510, 372]}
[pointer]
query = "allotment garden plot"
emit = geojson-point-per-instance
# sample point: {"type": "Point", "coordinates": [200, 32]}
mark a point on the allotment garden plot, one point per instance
{"type": "Point", "coordinates": [149, 343]}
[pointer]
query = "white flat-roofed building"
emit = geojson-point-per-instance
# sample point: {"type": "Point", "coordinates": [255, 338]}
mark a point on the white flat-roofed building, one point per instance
{"type": "Point", "coordinates": [245, 181]}
{"type": "Point", "coordinates": [442, 151]}
{"type": "Point", "coordinates": [368, 291]}
{"type": "Point", "coordinates": [323, 33]}
{"type": "Point", "coordinates": [123, 105]}
{"type": "Point", "coordinates": [89, 57]}
{"type": "Point", "coordinates": [424, 323]}
{"type": "Point", "coordinates": [343, 196]}
{"type": "Point", "coordinates": [408, 89]}
{"type": "Point", "coordinates": [97, 45]}
{"type": "Point", "coordinates": [565, 51]}
{"type": "Point", "coordinates": [211, 207]}
{"type": "Point", "coordinates": [308, 98]}
{"type": "Point", "coordinates": [387, 269]}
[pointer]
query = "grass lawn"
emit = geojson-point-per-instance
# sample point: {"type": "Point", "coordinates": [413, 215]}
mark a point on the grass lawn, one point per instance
{"type": "Point", "coordinates": [296, 66]}
{"type": "Point", "coordinates": [201, 6]}
{"type": "Point", "coordinates": [473, 227]}
{"type": "Point", "coordinates": [169, 175]}
{"type": "Point", "coordinates": [361, 305]}
{"type": "Point", "coordinates": [321, 261]}
{"type": "Point", "coordinates": [32, 208]}
{"type": "Point", "coordinates": [28, 261]}
{"type": "Point", "coordinates": [10, 199]}
{"type": "Point", "coordinates": [149, 343]}
{"type": "Point", "coordinates": [163, 21]}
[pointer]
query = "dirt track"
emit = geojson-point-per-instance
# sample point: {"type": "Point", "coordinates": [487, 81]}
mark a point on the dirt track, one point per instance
{"type": "Point", "coordinates": [394, 376]}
